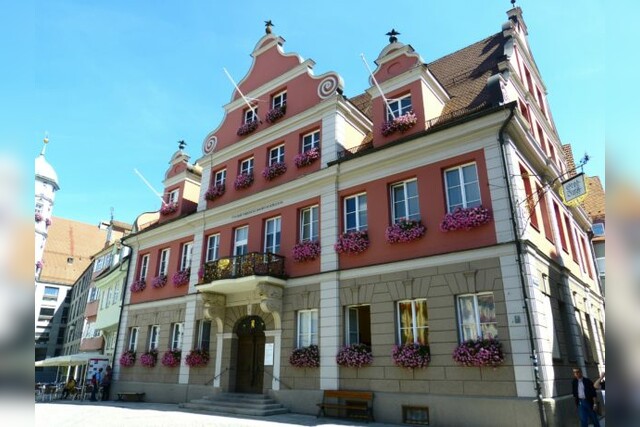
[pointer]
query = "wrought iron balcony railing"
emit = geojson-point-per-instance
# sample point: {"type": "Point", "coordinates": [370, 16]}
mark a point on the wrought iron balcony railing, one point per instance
{"type": "Point", "coordinates": [251, 264]}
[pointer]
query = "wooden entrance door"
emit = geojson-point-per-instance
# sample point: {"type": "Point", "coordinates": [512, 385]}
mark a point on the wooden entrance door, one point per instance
{"type": "Point", "coordinates": [250, 358]}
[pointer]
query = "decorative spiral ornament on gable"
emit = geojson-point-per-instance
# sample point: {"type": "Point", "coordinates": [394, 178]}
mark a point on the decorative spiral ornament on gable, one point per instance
{"type": "Point", "coordinates": [327, 87]}
{"type": "Point", "coordinates": [210, 145]}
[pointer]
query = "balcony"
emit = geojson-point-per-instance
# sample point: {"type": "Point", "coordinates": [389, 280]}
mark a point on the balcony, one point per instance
{"type": "Point", "coordinates": [242, 273]}
{"type": "Point", "coordinates": [92, 344]}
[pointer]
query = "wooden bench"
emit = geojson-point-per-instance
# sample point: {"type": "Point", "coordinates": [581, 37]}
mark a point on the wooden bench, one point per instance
{"type": "Point", "coordinates": [130, 396]}
{"type": "Point", "coordinates": [348, 403]}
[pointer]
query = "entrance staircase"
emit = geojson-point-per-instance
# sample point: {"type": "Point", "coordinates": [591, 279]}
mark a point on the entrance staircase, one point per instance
{"type": "Point", "coordinates": [237, 404]}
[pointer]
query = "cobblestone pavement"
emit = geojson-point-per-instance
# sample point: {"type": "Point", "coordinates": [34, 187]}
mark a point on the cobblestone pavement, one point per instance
{"type": "Point", "coordinates": [142, 414]}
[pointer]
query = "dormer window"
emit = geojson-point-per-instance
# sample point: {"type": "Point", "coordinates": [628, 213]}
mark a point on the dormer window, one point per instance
{"type": "Point", "coordinates": [172, 197]}
{"type": "Point", "coordinates": [598, 229]}
{"type": "Point", "coordinates": [279, 100]}
{"type": "Point", "coordinates": [39, 208]}
{"type": "Point", "coordinates": [399, 107]}
{"type": "Point", "coordinates": [251, 115]}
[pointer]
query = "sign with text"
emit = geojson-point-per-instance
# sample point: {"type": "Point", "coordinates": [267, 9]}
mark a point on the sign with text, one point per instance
{"type": "Point", "coordinates": [573, 189]}
{"type": "Point", "coordinates": [268, 354]}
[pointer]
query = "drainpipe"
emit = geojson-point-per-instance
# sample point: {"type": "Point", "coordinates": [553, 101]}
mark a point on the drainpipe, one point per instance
{"type": "Point", "coordinates": [519, 256]}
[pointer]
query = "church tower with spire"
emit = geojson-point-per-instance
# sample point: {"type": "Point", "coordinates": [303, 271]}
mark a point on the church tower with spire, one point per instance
{"type": "Point", "coordinates": [46, 183]}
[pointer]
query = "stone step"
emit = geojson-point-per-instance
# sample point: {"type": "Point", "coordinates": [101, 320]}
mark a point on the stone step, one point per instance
{"type": "Point", "coordinates": [226, 403]}
{"type": "Point", "coordinates": [235, 410]}
{"type": "Point", "coordinates": [237, 404]}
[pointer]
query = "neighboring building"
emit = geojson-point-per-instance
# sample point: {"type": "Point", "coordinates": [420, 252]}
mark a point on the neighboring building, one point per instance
{"type": "Point", "coordinates": [261, 223]}
{"type": "Point", "coordinates": [67, 253]}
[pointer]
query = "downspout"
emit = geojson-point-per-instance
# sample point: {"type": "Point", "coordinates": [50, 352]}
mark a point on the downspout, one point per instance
{"type": "Point", "coordinates": [519, 257]}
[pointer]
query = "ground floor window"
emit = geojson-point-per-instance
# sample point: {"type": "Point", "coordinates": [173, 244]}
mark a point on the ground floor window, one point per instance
{"type": "Point", "coordinates": [358, 325]}
{"type": "Point", "coordinates": [477, 316]}
{"type": "Point", "coordinates": [307, 328]}
{"type": "Point", "coordinates": [413, 322]}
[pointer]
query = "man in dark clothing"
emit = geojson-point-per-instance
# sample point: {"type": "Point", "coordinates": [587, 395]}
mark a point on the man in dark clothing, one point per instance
{"type": "Point", "coordinates": [586, 399]}
{"type": "Point", "coordinates": [106, 383]}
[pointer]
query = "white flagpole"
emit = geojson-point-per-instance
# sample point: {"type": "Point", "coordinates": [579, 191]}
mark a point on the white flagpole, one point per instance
{"type": "Point", "coordinates": [386, 102]}
{"type": "Point", "coordinates": [240, 92]}
{"type": "Point", "coordinates": [150, 187]}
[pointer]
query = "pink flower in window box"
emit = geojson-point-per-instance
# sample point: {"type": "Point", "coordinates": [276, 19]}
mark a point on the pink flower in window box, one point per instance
{"type": "Point", "coordinates": [276, 113]}
{"type": "Point", "coordinates": [171, 358]}
{"type": "Point", "coordinates": [405, 230]}
{"type": "Point", "coordinates": [168, 208]}
{"type": "Point", "coordinates": [38, 217]}
{"type": "Point", "coordinates": [247, 128]}
{"type": "Point", "coordinates": [305, 357]}
{"type": "Point", "coordinates": [480, 352]}
{"type": "Point", "coordinates": [402, 124]}
{"type": "Point", "coordinates": [411, 356]}
{"type": "Point", "coordinates": [214, 192]}
{"type": "Point", "coordinates": [181, 278]}
{"type": "Point", "coordinates": [306, 251]}
{"type": "Point", "coordinates": [197, 358]}
{"type": "Point", "coordinates": [352, 242]}
{"type": "Point", "coordinates": [128, 358]}
{"type": "Point", "coordinates": [149, 358]}
{"type": "Point", "coordinates": [243, 180]}
{"type": "Point", "coordinates": [47, 222]}
{"type": "Point", "coordinates": [274, 170]}
{"type": "Point", "coordinates": [354, 356]}
{"type": "Point", "coordinates": [159, 281]}
{"type": "Point", "coordinates": [306, 158]}
{"type": "Point", "coordinates": [138, 285]}
{"type": "Point", "coordinates": [465, 218]}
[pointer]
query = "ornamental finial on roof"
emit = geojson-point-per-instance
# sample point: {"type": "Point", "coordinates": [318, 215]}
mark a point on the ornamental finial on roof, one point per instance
{"type": "Point", "coordinates": [268, 24]}
{"type": "Point", "coordinates": [513, 3]}
{"type": "Point", "coordinates": [392, 35]}
{"type": "Point", "coordinates": [181, 144]}
{"type": "Point", "coordinates": [46, 141]}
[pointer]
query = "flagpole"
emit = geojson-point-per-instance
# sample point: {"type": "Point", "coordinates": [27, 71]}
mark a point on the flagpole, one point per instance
{"type": "Point", "coordinates": [240, 92]}
{"type": "Point", "coordinates": [386, 102]}
{"type": "Point", "coordinates": [150, 187]}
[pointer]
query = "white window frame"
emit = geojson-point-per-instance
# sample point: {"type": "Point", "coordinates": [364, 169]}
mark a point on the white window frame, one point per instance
{"type": "Point", "coordinates": [598, 229]}
{"type": "Point", "coordinates": [220, 177]}
{"type": "Point", "coordinates": [272, 234]}
{"type": "Point", "coordinates": [173, 196]}
{"type": "Point", "coordinates": [360, 209]}
{"type": "Point", "coordinates": [239, 243]}
{"type": "Point", "coordinates": [250, 115]}
{"type": "Point", "coordinates": [246, 166]}
{"type": "Point", "coordinates": [466, 203]}
{"type": "Point", "coordinates": [133, 339]}
{"type": "Point", "coordinates": [176, 336]}
{"type": "Point", "coordinates": [310, 140]}
{"type": "Point", "coordinates": [405, 200]}
{"type": "Point", "coordinates": [276, 155]}
{"type": "Point", "coordinates": [185, 259]}
{"type": "Point", "coordinates": [39, 208]}
{"type": "Point", "coordinates": [414, 323]}
{"type": "Point", "coordinates": [109, 297]}
{"type": "Point", "coordinates": [154, 337]}
{"type": "Point", "coordinates": [477, 320]}
{"type": "Point", "coordinates": [98, 264]}
{"type": "Point", "coordinates": [309, 223]}
{"type": "Point", "coordinates": [163, 264]}
{"type": "Point", "coordinates": [305, 320]}
{"type": "Point", "coordinates": [399, 107]}
{"type": "Point", "coordinates": [200, 341]}
{"type": "Point", "coordinates": [144, 267]}
{"type": "Point", "coordinates": [350, 327]}
{"type": "Point", "coordinates": [213, 247]}
{"type": "Point", "coordinates": [279, 99]}
{"type": "Point", "coordinates": [50, 295]}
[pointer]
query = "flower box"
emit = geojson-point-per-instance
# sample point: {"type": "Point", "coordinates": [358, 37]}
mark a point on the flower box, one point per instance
{"type": "Point", "coordinates": [138, 285]}
{"type": "Point", "coordinates": [38, 217]}
{"type": "Point", "coordinates": [171, 358]}
{"type": "Point", "coordinates": [168, 208]}
{"type": "Point", "coordinates": [405, 230]}
{"type": "Point", "coordinates": [306, 158]}
{"type": "Point", "coordinates": [197, 358]}
{"type": "Point", "coordinates": [214, 192]}
{"type": "Point", "coordinates": [410, 356]}
{"type": "Point", "coordinates": [465, 218]}
{"type": "Point", "coordinates": [354, 356]}
{"type": "Point", "coordinates": [480, 352]}
{"type": "Point", "coordinates": [47, 222]}
{"type": "Point", "coordinates": [352, 242]}
{"type": "Point", "coordinates": [402, 124]}
{"type": "Point", "coordinates": [305, 357]}
{"type": "Point", "coordinates": [243, 180]}
{"type": "Point", "coordinates": [306, 251]}
{"type": "Point", "coordinates": [128, 358]}
{"type": "Point", "coordinates": [247, 128]}
{"type": "Point", "coordinates": [39, 264]}
{"type": "Point", "coordinates": [274, 170]}
{"type": "Point", "coordinates": [149, 358]}
{"type": "Point", "coordinates": [181, 278]}
{"type": "Point", "coordinates": [159, 281]}
{"type": "Point", "coordinates": [276, 113]}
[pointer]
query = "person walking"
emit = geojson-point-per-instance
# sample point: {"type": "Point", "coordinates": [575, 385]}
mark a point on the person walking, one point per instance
{"type": "Point", "coordinates": [586, 399]}
{"type": "Point", "coordinates": [69, 388]}
{"type": "Point", "coordinates": [106, 383]}
{"type": "Point", "coordinates": [96, 379]}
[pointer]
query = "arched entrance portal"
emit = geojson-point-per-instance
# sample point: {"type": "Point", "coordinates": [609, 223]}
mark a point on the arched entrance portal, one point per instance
{"type": "Point", "coordinates": [250, 355]}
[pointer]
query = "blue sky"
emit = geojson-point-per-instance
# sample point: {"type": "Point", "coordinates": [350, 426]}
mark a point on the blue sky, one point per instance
{"type": "Point", "coordinates": [116, 84]}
